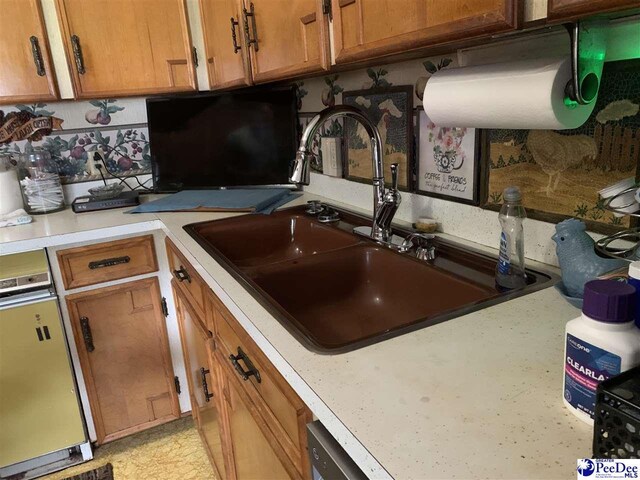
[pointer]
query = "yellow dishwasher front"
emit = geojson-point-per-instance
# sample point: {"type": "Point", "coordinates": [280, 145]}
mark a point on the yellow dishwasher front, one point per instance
{"type": "Point", "coordinates": [39, 411]}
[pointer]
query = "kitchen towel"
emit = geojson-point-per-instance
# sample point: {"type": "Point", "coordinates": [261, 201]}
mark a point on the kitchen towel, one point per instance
{"type": "Point", "coordinates": [527, 94]}
{"type": "Point", "coordinates": [18, 217]}
{"type": "Point", "coordinates": [259, 200]}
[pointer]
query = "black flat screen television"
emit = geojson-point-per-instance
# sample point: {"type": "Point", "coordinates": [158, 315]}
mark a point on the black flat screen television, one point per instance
{"type": "Point", "coordinates": [236, 139]}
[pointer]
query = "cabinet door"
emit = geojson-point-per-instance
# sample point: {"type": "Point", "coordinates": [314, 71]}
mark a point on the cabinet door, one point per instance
{"type": "Point", "coordinates": [127, 47]}
{"type": "Point", "coordinates": [254, 458]}
{"type": "Point", "coordinates": [574, 9]}
{"type": "Point", "coordinates": [203, 381]}
{"type": "Point", "coordinates": [124, 353]}
{"type": "Point", "coordinates": [25, 67]}
{"type": "Point", "coordinates": [286, 38]}
{"type": "Point", "coordinates": [227, 56]}
{"type": "Point", "coordinates": [364, 29]}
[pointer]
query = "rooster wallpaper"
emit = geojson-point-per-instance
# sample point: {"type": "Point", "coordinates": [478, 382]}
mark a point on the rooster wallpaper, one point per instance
{"type": "Point", "coordinates": [561, 172]}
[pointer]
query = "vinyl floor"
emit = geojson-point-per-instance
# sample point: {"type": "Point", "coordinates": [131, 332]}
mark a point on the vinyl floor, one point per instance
{"type": "Point", "coordinates": [172, 451]}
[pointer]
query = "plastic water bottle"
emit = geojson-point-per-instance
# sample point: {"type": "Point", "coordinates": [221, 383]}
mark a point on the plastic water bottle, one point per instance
{"type": "Point", "coordinates": [510, 271]}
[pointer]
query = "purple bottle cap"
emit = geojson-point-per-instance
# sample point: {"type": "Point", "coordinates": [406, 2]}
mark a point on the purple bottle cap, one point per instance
{"type": "Point", "coordinates": [609, 301]}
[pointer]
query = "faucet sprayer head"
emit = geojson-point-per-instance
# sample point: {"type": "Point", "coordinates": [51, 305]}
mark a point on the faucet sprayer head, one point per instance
{"type": "Point", "coordinates": [301, 168]}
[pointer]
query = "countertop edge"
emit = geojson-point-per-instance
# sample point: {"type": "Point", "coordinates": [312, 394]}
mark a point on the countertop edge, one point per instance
{"type": "Point", "coordinates": [55, 240]}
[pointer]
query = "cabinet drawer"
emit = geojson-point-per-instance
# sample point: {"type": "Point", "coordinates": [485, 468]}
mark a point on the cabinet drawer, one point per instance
{"type": "Point", "coordinates": [276, 401]}
{"type": "Point", "coordinates": [102, 262]}
{"type": "Point", "coordinates": [184, 274]}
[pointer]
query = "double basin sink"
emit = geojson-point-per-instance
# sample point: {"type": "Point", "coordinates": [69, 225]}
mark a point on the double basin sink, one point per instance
{"type": "Point", "coordinates": [336, 291]}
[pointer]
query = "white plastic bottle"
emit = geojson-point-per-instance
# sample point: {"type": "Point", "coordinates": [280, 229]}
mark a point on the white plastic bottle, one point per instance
{"type": "Point", "coordinates": [510, 272]}
{"type": "Point", "coordinates": [634, 279]}
{"type": "Point", "coordinates": [599, 344]}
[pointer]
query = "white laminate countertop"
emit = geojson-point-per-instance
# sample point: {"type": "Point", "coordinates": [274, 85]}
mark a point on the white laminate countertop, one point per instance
{"type": "Point", "coordinates": [479, 396]}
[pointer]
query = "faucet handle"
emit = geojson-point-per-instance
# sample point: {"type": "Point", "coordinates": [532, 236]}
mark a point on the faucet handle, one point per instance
{"type": "Point", "coordinates": [394, 176]}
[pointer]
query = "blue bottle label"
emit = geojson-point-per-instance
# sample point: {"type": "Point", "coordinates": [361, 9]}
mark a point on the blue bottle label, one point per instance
{"type": "Point", "coordinates": [585, 367]}
{"type": "Point", "coordinates": [504, 263]}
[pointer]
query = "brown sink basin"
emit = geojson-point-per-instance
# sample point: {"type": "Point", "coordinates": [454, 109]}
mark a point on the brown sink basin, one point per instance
{"type": "Point", "coordinates": [357, 293]}
{"type": "Point", "coordinates": [252, 240]}
{"type": "Point", "coordinates": [336, 291]}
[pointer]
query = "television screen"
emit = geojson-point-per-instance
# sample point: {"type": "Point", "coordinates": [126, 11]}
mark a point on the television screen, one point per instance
{"type": "Point", "coordinates": [236, 139]}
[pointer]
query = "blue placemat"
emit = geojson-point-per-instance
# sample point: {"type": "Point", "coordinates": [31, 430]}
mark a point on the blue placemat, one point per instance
{"type": "Point", "coordinates": [263, 200]}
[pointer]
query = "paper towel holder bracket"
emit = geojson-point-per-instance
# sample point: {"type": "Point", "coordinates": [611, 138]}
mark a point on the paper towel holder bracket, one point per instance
{"type": "Point", "coordinates": [588, 51]}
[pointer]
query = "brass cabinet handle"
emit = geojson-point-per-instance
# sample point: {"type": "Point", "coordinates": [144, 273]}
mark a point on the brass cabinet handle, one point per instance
{"type": "Point", "coordinates": [181, 274]}
{"type": "Point", "coordinates": [86, 334]}
{"type": "Point", "coordinates": [109, 262]}
{"type": "Point", "coordinates": [234, 23]}
{"type": "Point", "coordinates": [77, 53]}
{"type": "Point", "coordinates": [245, 374]}
{"type": "Point", "coordinates": [205, 386]}
{"type": "Point", "coordinates": [37, 56]}
{"type": "Point", "coordinates": [250, 13]}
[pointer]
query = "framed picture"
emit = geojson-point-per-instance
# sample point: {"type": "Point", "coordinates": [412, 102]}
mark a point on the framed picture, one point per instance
{"type": "Point", "coordinates": [391, 110]}
{"type": "Point", "coordinates": [561, 172]}
{"type": "Point", "coordinates": [448, 162]}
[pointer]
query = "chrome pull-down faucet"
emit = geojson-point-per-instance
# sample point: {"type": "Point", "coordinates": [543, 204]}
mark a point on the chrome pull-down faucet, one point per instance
{"type": "Point", "coordinates": [385, 202]}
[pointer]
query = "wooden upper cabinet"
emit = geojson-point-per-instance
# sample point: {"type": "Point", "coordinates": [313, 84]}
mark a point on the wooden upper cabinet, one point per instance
{"type": "Point", "coordinates": [364, 29]}
{"type": "Point", "coordinates": [225, 49]}
{"type": "Point", "coordinates": [127, 47]}
{"type": "Point", "coordinates": [25, 65]}
{"type": "Point", "coordinates": [286, 38]}
{"type": "Point", "coordinates": [574, 9]}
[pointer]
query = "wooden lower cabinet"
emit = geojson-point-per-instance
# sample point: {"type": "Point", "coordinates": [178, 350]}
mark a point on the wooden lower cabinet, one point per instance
{"type": "Point", "coordinates": [122, 343]}
{"type": "Point", "coordinates": [203, 380]}
{"type": "Point", "coordinates": [253, 454]}
{"type": "Point", "coordinates": [251, 429]}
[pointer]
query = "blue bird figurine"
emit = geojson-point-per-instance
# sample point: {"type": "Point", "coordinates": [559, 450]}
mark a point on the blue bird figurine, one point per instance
{"type": "Point", "coordinates": [578, 259]}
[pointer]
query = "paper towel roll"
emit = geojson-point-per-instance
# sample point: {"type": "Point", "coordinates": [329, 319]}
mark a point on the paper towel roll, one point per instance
{"type": "Point", "coordinates": [526, 94]}
{"type": "Point", "coordinates": [10, 196]}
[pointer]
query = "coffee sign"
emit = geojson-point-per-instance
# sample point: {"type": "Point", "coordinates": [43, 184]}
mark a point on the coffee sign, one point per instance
{"type": "Point", "coordinates": [447, 164]}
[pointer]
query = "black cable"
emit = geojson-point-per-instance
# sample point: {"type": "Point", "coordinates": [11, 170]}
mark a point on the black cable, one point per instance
{"type": "Point", "coordinates": [99, 167]}
{"type": "Point", "coordinates": [122, 179]}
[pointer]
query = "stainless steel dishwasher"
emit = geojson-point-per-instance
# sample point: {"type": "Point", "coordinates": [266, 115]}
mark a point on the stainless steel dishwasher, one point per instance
{"type": "Point", "coordinates": [329, 461]}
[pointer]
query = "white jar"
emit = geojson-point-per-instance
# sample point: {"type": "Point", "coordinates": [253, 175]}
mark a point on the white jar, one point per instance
{"type": "Point", "coordinates": [599, 344]}
{"type": "Point", "coordinates": [10, 196]}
